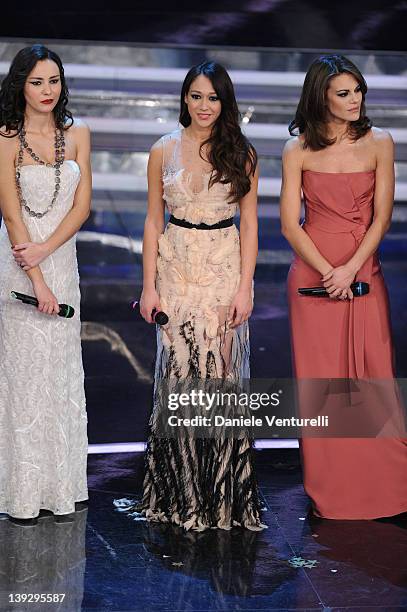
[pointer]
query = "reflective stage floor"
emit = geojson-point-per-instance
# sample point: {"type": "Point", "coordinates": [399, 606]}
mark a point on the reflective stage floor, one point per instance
{"type": "Point", "coordinates": [103, 560]}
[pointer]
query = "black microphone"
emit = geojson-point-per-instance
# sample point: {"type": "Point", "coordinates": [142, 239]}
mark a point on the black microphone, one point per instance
{"type": "Point", "coordinates": [359, 288]}
{"type": "Point", "coordinates": [65, 311]}
{"type": "Point", "coordinates": [159, 317]}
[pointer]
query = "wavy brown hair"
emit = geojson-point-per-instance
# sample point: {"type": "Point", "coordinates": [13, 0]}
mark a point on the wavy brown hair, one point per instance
{"type": "Point", "coordinates": [12, 100]}
{"type": "Point", "coordinates": [231, 155]}
{"type": "Point", "coordinates": [311, 115]}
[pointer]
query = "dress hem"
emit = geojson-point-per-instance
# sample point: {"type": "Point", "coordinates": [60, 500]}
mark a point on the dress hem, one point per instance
{"type": "Point", "coordinates": [24, 518]}
{"type": "Point", "coordinates": [386, 514]}
{"type": "Point", "coordinates": [194, 523]}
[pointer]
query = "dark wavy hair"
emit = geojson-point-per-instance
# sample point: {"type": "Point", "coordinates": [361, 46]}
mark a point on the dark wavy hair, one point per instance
{"type": "Point", "coordinates": [311, 115]}
{"type": "Point", "coordinates": [12, 100]}
{"type": "Point", "coordinates": [231, 155]}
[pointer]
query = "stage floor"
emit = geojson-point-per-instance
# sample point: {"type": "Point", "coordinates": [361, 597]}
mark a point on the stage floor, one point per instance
{"type": "Point", "coordinates": [104, 560]}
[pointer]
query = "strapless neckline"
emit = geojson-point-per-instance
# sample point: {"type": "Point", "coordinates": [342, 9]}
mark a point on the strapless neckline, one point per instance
{"type": "Point", "coordinates": [345, 173]}
{"type": "Point", "coordinates": [66, 161]}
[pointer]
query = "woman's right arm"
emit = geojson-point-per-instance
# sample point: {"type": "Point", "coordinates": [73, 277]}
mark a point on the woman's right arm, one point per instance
{"type": "Point", "coordinates": [16, 229]}
{"type": "Point", "coordinates": [153, 228]}
{"type": "Point", "coordinates": [290, 209]}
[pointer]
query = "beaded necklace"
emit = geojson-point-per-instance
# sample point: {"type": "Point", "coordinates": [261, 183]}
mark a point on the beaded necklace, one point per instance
{"type": "Point", "coordinates": [59, 146]}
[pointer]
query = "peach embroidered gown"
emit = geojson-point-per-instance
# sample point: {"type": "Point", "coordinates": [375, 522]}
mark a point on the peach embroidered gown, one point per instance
{"type": "Point", "coordinates": [359, 478]}
{"type": "Point", "coordinates": [199, 483]}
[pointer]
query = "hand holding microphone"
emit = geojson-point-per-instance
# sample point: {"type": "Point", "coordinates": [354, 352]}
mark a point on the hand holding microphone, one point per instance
{"type": "Point", "coordinates": [65, 311]}
{"type": "Point", "coordinates": [158, 316]}
{"type": "Point", "coordinates": [337, 281]}
{"type": "Point", "coordinates": [358, 289]}
{"type": "Point", "coordinates": [149, 307]}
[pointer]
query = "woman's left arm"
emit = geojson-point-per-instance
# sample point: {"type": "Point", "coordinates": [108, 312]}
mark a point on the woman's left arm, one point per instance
{"type": "Point", "coordinates": [30, 254]}
{"type": "Point", "coordinates": [341, 277]}
{"type": "Point", "coordinates": [242, 304]}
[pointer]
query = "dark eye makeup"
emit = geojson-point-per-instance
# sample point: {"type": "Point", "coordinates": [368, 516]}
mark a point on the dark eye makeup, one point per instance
{"type": "Point", "coordinates": [343, 94]}
{"type": "Point", "coordinates": [196, 96]}
{"type": "Point", "coordinates": [53, 81]}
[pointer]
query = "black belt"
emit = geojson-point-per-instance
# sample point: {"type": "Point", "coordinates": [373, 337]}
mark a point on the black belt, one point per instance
{"type": "Point", "coordinates": [201, 226]}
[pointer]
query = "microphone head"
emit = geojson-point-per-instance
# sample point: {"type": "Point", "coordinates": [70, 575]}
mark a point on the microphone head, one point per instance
{"type": "Point", "coordinates": [360, 288]}
{"type": "Point", "coordinates": [160, 318]}
{"type": "Point", "coordinates": [66, 311]}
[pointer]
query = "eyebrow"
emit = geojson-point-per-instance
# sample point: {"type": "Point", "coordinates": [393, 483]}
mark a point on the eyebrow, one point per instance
{"type": "Point", "coordinates": [339, 90]}
{"type": "Point", "coordinates": [211, 93]}
{"type": "Point", "coordinates": [34, 78]}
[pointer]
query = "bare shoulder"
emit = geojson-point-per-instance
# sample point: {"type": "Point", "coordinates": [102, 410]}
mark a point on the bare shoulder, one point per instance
{"type": "Point", "coordinates": [79, 129]}
{"type": "Point", "coordinates": [79, 124]}
{"type": "Point", "coordinates": [167, 141]}
{"type": "Point", "coordinates": [8, 144]}
{"type": "Point", "coordinates": [379, 135]}
{"type": "Point", "coordinates": [381, 142]}
{"type": "Point", "coordinates": [382, 145]}
{"type": "Point", "coordinates": [293, 152]}
{"type": "Point", "coordinates": [157, 146]}
{"type": "Point", "coordinates": [294, 144]}
{"type": "Point", "coordinates": [156, 151]}
{"type": "Point", "coordinates": [80, 134]}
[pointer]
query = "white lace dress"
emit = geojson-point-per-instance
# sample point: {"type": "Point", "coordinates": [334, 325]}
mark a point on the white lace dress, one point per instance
{"type": "Point", "coordinates": [43, 424]}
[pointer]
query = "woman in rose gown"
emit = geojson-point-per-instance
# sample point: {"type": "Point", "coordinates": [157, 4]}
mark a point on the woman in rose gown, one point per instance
{"type": "Point", "coordinates": [345, 169]}
{"type": "Point", "coordinates": [200, 274]}
{"type": "Point", "coordinates": [45, 189]}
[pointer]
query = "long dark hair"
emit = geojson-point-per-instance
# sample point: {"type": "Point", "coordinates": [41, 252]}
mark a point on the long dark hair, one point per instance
{"type": "Point", "coordinates": [231, 155]}
{"type": "Point", "coordinates": [12, 100]}
{"type": "Point", "coordinates": [311, 115]}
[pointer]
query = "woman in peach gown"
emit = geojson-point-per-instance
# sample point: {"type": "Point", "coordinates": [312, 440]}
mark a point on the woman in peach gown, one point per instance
{"type": "Point", "coordinates": [345, 169]}
{"type": "Point", "coordinates": [198, 271]}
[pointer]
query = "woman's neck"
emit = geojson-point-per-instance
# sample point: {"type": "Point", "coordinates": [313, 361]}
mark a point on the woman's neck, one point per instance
{"type": "Point", "coordinates": [337, 129]}
{"type": "Point", "coordinates": [39, 123]}
{"type": "Point", "coordinates": [197, 133]}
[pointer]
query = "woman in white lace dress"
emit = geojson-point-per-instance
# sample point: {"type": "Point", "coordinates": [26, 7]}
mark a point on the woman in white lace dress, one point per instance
{"type": "Point", "coordinates": [45, 191]}
{"type": "Point", "coordinates": [200, 273]}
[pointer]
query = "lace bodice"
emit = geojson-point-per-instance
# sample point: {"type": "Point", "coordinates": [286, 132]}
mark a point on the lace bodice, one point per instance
{"type": "Point", "coordinates": [185, 183]}
{"type": "Point", "coordinates": [37, 183]}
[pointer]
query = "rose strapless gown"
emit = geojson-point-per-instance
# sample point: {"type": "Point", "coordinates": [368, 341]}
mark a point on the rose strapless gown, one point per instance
{"type": "Point", "coordinates": [198, 483]}
{"type": "Point", "coordinates": [345, 478]}
{"type": "Point", "coordinates": [43, 439]}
